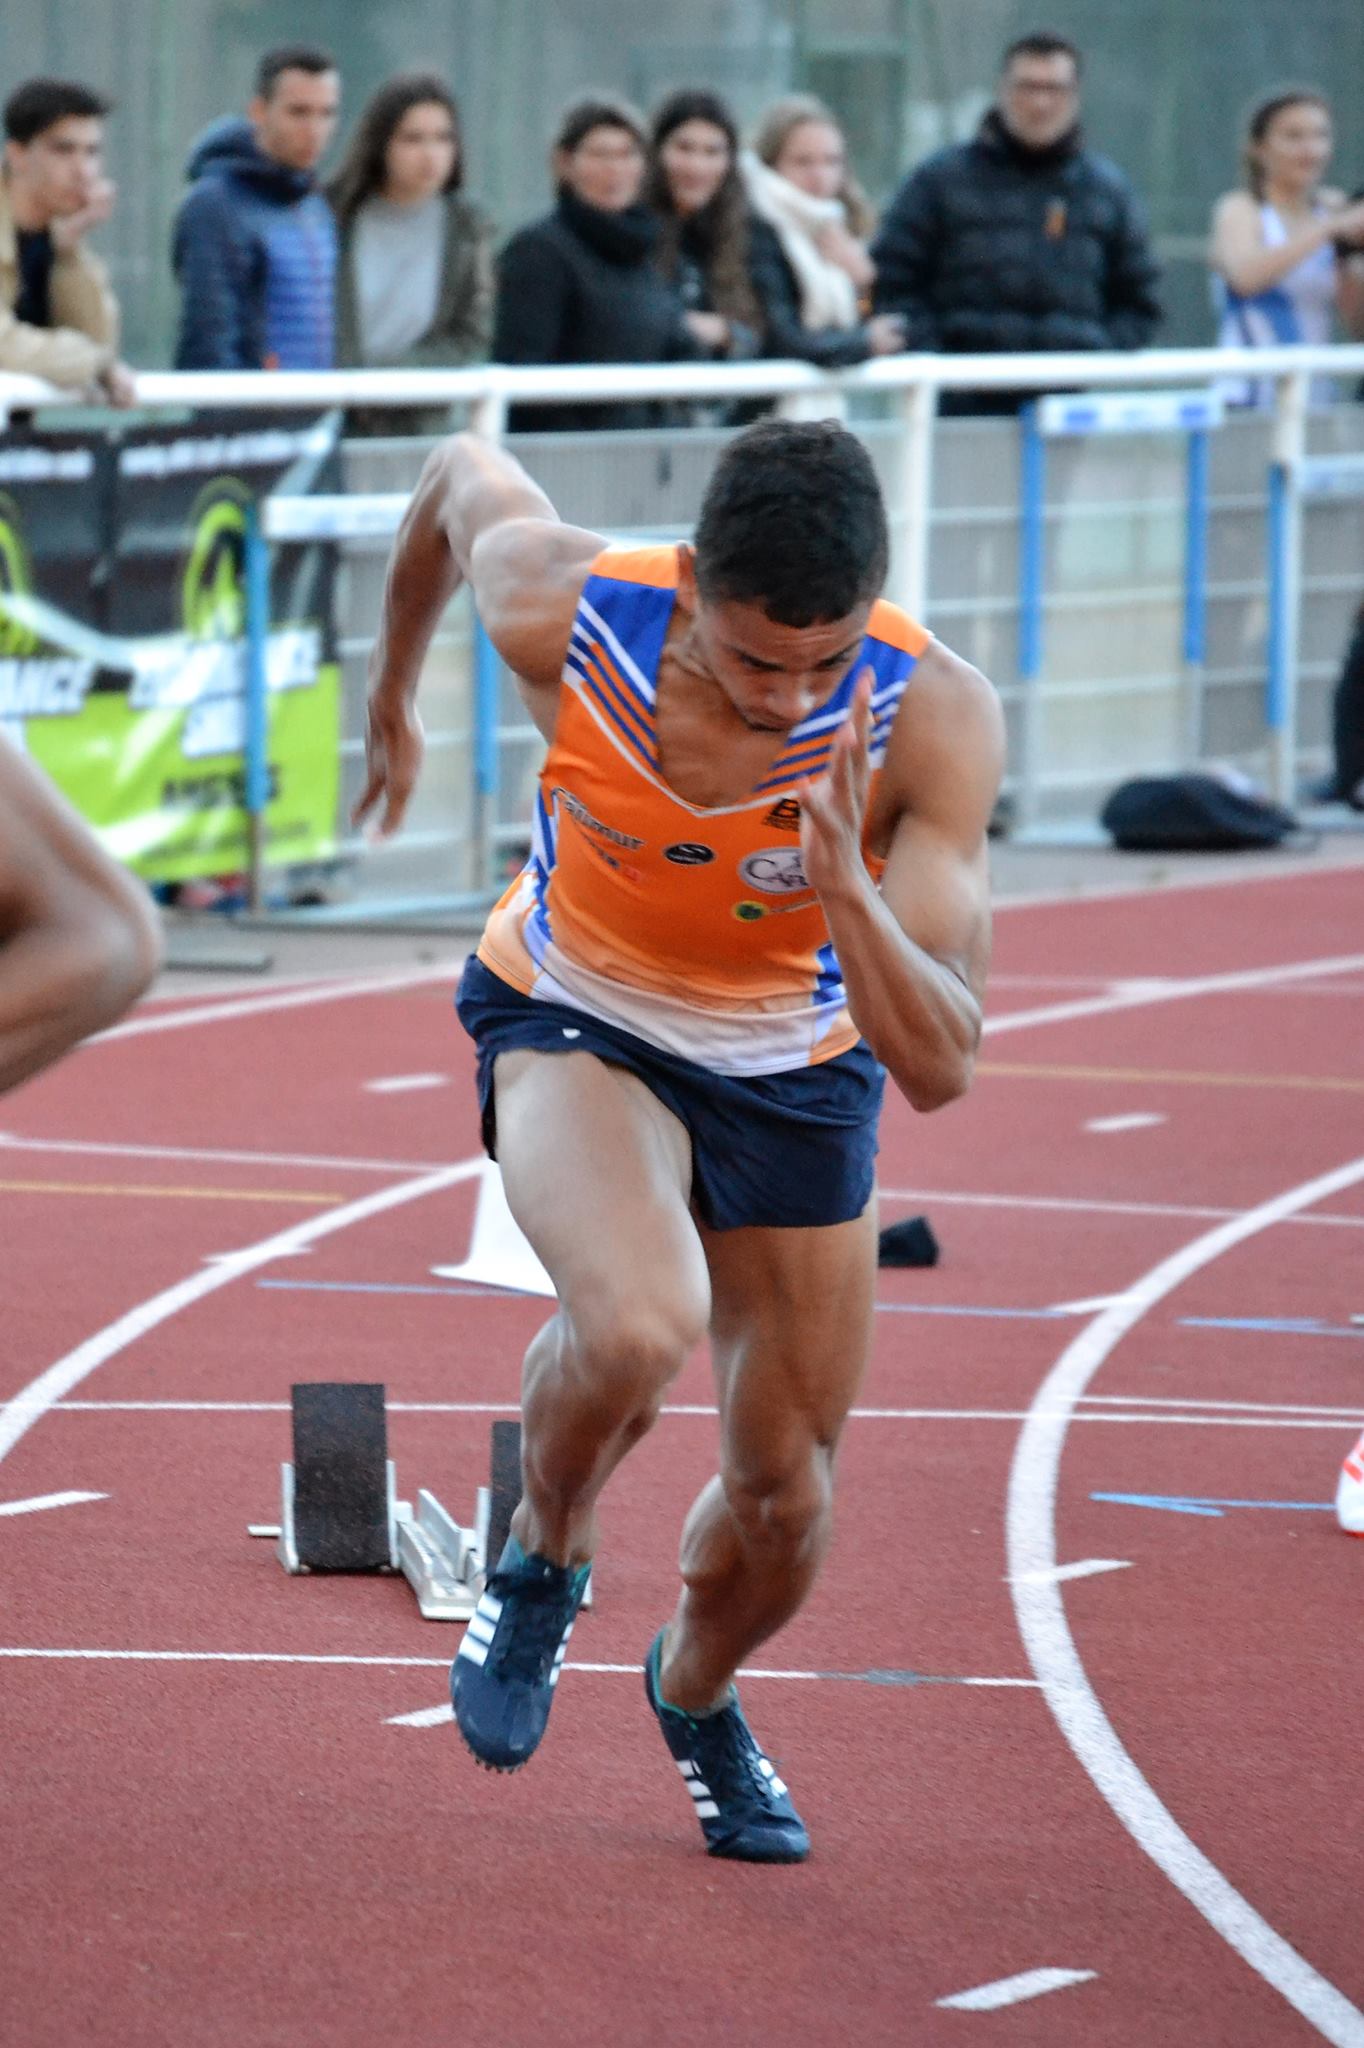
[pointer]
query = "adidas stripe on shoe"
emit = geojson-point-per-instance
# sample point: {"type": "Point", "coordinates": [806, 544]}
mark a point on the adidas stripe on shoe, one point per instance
{"type": "Point", "coordinates": [502, 1681]}
{"type": "Point", "coordinates": [744, 1808]}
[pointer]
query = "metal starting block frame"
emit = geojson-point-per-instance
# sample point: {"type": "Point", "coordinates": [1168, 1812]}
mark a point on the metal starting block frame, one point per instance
{"type": "Point", "coordinates": [344, 1515]}
{"type": "Point", "coordinates": [443, 1562]}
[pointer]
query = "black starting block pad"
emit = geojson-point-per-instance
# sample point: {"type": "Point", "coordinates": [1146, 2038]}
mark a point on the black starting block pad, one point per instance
{"type": "Point", "coordinates": [340, 1511]}
{"type": "Point", "coordinates": [340, 1508]}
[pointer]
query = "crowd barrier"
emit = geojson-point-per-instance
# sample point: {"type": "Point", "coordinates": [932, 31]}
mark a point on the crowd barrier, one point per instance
{"type": "Point", "coordinates": [1150, 577]}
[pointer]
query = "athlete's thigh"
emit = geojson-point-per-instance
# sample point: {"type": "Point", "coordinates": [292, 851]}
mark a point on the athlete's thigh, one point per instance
{"type": "Point", "coordinates": [791, 1325]}
{"type": "Point", "coordinates": [597, 1174]}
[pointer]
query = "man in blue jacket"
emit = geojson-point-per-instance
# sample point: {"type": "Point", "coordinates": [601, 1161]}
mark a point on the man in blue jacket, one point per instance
{"type": "Point", "coordinates": [255, 241]}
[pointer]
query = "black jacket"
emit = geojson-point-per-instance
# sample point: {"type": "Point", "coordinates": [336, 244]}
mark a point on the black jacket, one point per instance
{"type": "Point", "coordinates": [990, 247]}
{"type": "Point", "coordinates": [779, 295]}
{"type": "Point", "coordinates": [580, 286]}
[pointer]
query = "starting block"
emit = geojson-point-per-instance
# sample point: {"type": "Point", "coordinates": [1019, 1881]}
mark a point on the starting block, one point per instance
{"type": "Point", "coordinates": [340, 1511]}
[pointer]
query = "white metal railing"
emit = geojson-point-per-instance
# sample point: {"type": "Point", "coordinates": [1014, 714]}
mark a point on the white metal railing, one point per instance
{"type": "Point", "coordinates": [914, 379]}
{"type": "Point", "coordinates": [911, 385]}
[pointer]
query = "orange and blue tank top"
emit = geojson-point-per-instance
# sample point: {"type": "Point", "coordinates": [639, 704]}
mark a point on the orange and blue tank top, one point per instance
{"type": "Point", "coordinates": [692, 927]}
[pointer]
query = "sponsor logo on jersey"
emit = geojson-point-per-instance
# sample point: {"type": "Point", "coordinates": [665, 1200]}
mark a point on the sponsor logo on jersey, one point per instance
{"type": "Point", "coordinates": [578, 811]}
{"type": "Point", "coordinates": [748, 913]}
{"type": "Point", "coordinates": [689, 853]}
{"type": "Point", "coordinates": [784, 815]}
{"type": "Point", "coordinates": [621, 867]}
{"type": "Point", "coordinates": [775, 871]}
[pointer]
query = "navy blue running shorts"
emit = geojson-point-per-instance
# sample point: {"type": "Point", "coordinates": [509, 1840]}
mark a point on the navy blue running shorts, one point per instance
{"type": "Point", "coordinates": [786, 1151]}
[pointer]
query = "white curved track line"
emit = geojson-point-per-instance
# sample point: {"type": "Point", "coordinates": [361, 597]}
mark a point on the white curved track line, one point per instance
{"type": "Point", "coordinates": [25, 1408]}
{"type": "Point", "coordinates": [1040, 1608]}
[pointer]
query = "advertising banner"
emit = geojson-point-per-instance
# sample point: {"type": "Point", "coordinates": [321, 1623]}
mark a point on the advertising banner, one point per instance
{"type": "Point", "coordinates": [122, 637]}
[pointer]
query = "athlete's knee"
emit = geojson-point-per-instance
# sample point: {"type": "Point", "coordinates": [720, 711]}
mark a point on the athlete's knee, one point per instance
{"type": "Point", "coordinates": [629, 1348]}
{"type": "Point", "coordinates": [782, 1503]}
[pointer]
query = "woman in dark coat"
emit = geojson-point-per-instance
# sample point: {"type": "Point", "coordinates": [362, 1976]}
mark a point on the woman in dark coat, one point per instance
{"type": "Point", "coordinates": [581, 285]}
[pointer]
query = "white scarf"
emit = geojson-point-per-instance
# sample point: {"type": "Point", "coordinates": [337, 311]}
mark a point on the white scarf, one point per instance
{"type": "Point", "coordinates": [828, 296]}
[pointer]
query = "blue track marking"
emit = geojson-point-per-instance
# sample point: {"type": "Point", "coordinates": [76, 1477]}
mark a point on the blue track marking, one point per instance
{"type": "Point", "coordinates": [1287, 1326]}
{"type": "Point", "coordinates": [900, 1308]}
{"type": "Point", "coordinates": [1197, 1504]}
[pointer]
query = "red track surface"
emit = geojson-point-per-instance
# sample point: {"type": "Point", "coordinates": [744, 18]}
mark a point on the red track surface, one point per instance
{"type": "Point", "coordinates": [246, 1852]}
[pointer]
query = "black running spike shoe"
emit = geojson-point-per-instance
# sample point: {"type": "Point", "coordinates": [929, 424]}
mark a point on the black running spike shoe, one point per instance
{"type": "Point", "coordinates": [502, 1681]}
{"type": "Point", "coordinates": [744, 1809]}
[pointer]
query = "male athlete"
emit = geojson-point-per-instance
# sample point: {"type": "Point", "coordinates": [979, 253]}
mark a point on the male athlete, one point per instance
{"type": "Point", "coordinates": [758, 878]}
{"type": "Point", "coordinates": [78, 938]}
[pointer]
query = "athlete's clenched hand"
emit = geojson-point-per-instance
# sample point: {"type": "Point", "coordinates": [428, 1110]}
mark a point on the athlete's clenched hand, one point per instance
{"type": "Point", "coordinates": [833, 809]}
{"type": "Point", "coordinates": [395, 746]}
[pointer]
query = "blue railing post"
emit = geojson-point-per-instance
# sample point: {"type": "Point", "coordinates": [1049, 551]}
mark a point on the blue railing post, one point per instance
{"type": "Point", "coordinates": [256, 575]}
{"type": "Point", "coordinates": [1031, 575]}
{"type": "Point", "coordinates": [487, 753]}
{"type": "Point", "coordinates": [1196, 516]}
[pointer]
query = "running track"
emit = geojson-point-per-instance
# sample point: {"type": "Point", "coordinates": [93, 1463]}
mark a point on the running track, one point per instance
{"type": "Point", "coordinates": [218, 1827]}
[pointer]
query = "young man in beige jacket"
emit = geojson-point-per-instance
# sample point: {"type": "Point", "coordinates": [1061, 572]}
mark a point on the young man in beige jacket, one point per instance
{"type": "Point", "coordinates": [58, 316]}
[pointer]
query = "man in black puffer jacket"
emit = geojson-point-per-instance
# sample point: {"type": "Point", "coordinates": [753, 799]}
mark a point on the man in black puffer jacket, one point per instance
{"type": "Point", "coordinates": [1022, 239]}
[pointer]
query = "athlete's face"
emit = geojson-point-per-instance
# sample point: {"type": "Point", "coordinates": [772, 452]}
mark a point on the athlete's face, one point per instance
{"type": "Point", "coordinates": [774, 676]}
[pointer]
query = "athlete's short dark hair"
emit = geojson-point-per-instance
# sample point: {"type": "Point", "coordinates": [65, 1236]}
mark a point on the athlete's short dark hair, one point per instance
{"type": "Point", "coordinates": [291, 57]}
{"type": "Point", "coordinates": [793, 520]}
{"type": "Point", "coordinates": [1042, 42]}
{"type": "Point", "coordinates": [43, 102]}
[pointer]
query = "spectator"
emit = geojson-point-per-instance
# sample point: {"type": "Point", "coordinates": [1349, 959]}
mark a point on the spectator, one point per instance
{"type": "Point", "coordinates": [414, 281]}
{"type": "Point", "coordinates": [696, 192]}
{"type": "Point", "coordinates": [581, 285]}
{"type": "Point", "coordinates": [255, 241]}
{"type": "Point", "coordinates": [1022, 239]}
{"type": "Point", "coordinates": [58, 316]}
{"type": "Point", "coordinates": [810, 240]}
{"type": "Point", "coordinates": [1275, 241]}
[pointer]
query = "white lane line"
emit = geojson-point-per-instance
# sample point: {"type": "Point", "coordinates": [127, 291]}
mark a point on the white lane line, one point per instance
{"type": "Point", "coordinates": [1075, 1206]}
{"type": "Point", "coordinates": [425, 1717]}
{"type": "Point", "coordinates": [405, 1084]}
{"type": "Point", "coordinates": [20, 1413]}
{"type": "Point", "coordinates": [291, 999]}
{"type": "Point", "coordinates": [1134, 1120]}
{"type": "Point", "coordinates": [1084, 1568]}
{"type": "Point", "coordinates": [1329, 1419]}
{"type": "Point", "coordinates": [28, 1653]}
{"type": "Point", "coordinates": [1013, 1990]}
{"type": "Point", "coordinates": [1236, 1407]}
{"type": "Point", "coordinates": [197, 1155]}
{"type": "Point", "coordinates": [1175, 992]}
{"type": "Point", "coordinates": [1084, 1308]}
{"type": "Point", "coordinates": [40, 1501]}
{"type": "Point", "coordinates": [1040, 1608]}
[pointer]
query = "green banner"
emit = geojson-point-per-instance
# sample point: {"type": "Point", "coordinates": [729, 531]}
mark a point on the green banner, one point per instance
{"type": "Point", "coordinates": [122, 638]}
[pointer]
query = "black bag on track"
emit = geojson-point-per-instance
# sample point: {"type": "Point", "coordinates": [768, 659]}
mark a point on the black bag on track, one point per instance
{"type": "Point", "coordinates": [1195, 813]}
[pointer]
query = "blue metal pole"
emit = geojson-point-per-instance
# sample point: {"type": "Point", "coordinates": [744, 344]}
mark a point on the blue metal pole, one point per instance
{"type": "Point", "coordinates": [256, 573]}
{"type": "Point", "coordinates": [1196, 549]}
{"type": "Point", "coordinates": [487, 755]}
{"type": "Point", "coordinates": [1032, 543]}
{"type": "Point", "coordinates": [1196, 513]}
{"type": "Point", "coordinates": [1031, 574]}
{"type": "Point", "coordinates": [1276, 679]}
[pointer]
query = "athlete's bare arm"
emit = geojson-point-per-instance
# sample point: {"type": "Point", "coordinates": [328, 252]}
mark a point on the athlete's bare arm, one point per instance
{"type": "Point", "coordinates": [475, 517]}
{"type": "Point", "coordinates": [914, 957]}
{"type": "Point", "coordinates": [79, 940]}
